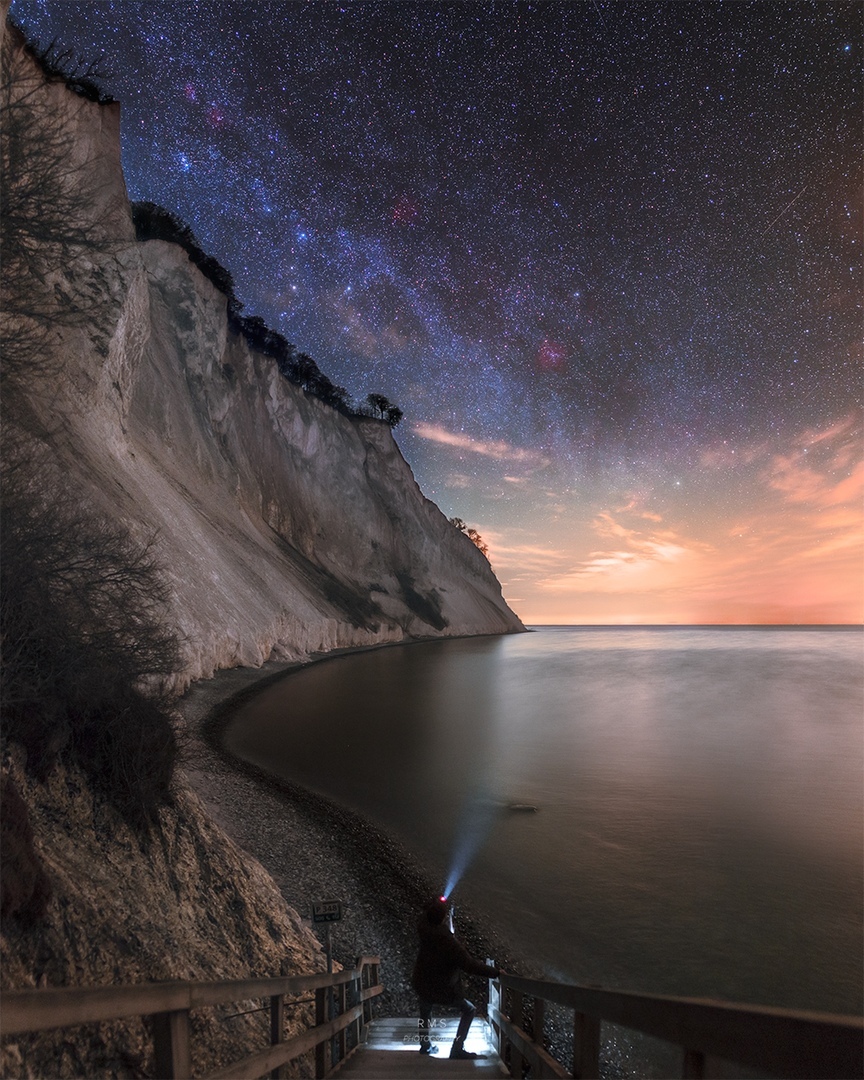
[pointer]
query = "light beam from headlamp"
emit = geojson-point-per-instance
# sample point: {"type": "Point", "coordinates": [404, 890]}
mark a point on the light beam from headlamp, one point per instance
{"type": "Point", "coordinates": [475, 824]}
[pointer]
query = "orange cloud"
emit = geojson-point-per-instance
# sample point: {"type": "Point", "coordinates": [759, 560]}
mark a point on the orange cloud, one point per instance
{"type": "Point", "coordinates": [801, 483]}
{"type": "Point", "coordinates": [780, 540]}
{"type": "Point", "coordinates": [642, 561]}
{"type": "Point", "coordinates": [522, 559]}
{"type": "Point", "coordinates": [499, 450]}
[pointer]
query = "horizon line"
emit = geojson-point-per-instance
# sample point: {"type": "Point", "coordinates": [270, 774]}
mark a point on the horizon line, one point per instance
{"type": "Point", "coordinates": [712, 626]}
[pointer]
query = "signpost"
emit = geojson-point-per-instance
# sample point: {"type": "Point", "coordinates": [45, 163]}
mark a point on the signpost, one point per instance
{"type": "Point", "coordinates": [326, 912]}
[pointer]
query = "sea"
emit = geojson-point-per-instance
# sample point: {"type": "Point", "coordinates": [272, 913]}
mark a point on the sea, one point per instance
{"type": "Point", "coordinates": [673, 810]}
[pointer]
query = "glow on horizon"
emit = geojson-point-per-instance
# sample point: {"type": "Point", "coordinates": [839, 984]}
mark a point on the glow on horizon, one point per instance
{"type": "Point", "coordinates": [771, 536]}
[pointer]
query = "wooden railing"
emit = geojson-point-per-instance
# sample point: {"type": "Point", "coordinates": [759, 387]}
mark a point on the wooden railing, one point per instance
{"type": "Point", "coordinates": [783, 1042]}
{"type": "Point", "coordinates": [337, 1032]}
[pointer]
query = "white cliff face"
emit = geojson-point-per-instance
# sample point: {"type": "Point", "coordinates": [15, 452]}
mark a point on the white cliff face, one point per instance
{"type": "Point", "coordinates": [285, 527]}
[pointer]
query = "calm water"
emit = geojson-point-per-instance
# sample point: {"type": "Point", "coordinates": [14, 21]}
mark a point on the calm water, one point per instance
{"type": "Point", "coordinates": [699, 794]}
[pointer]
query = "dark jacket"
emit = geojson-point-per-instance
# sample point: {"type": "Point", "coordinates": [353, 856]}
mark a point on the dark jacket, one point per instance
{"type": "Point", "coordinates": [440, 959]}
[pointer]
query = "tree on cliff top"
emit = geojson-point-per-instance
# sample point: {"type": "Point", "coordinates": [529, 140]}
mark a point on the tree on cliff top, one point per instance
{"type": "Point", "coordinates": [394, 415]}
{"type": "Point", "coordinates": [384, 409]}
{"type": "Point", "coordinates": [472, 534]}
{"type": "Point", "coordinates": [378, 404]}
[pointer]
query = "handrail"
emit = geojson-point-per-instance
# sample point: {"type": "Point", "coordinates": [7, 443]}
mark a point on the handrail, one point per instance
{"type": "Point", "coordinates": [62, 1006]}
{"type": "Point", "coordinates": [268, 1059]}
{"type": "Point", "coordinates": [169, 1004]}
{"type": "Point", "coordinates": [786, 1042]}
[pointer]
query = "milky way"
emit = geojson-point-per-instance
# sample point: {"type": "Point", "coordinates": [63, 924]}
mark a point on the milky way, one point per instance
{"type": "Point", "coordinates": [605, 256]}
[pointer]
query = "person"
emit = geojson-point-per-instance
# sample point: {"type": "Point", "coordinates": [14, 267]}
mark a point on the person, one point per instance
{"type": "Point", "coordinates": [437, 979]}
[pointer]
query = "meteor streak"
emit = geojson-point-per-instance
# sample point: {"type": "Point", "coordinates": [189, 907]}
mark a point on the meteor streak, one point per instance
{"type": "Point", "coordinates": [783, 211]}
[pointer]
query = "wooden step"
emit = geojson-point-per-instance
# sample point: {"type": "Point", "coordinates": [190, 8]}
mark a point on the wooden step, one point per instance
{"type": "Point", "coordinates": [386, 1065]}
{"type": "Point", "coordinates": [392, 1049]}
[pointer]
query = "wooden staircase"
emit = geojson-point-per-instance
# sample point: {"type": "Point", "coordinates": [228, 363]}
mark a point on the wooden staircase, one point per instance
{"type": "Point", "coordinates": [346, 1041]}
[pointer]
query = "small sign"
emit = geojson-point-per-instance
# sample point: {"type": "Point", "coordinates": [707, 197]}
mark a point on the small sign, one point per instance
{"type": "Point", "coordinates": [324, 911]}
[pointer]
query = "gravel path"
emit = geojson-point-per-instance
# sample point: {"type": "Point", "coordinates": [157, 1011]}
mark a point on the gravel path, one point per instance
{"type": "Point", "coordinates": [317, 850]}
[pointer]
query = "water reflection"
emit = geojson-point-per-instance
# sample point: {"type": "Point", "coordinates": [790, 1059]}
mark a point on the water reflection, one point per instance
{"type": "Point", "coordinates": [700, 829]}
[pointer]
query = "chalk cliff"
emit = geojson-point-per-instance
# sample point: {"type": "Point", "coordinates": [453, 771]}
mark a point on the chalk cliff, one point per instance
{"type": "Point", "coordinates": [283, 527]}
{"type": "Point", "coordinates": [287, 527]}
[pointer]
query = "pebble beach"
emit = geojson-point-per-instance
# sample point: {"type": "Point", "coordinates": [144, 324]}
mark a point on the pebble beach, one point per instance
{"type": "Point", "coordinates": [317, 850]}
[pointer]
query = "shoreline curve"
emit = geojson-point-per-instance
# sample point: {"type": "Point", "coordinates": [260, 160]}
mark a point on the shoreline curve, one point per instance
{"type": "Point", "coordinates": [315, 848]}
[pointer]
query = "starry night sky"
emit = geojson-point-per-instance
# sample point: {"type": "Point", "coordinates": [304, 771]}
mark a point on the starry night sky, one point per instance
{"type": "Point", "coordinates": [605, 256]}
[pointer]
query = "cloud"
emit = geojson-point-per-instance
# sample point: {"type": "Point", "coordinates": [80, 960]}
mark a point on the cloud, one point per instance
{"type": "Point", "coordinates": [640, 561]}
{"type": "Point", "coordinates": [499, 450]}
{"type": "Point", "coordinates": [457, 480]}
{"type": "Point", "coordinates": [840, 429]}
{"type": "Point", "coordinates": [800, 482]}
{"type": "Point", "coordinates": [780, 542]}
{"type": "Point", "coordinates": [634, 505]}
{"type": "Point", "coordinates": [821, 480]}
{"type": "Point", "coordinates": [522, 559]}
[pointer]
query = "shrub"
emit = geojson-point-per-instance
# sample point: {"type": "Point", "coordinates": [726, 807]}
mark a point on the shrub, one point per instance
{"type": "Point", "coordinates": [45, 230]}
{"type": "Point", "coordinates": [85, 648]}
{"type": "Point", "coordinates": [472, 534]}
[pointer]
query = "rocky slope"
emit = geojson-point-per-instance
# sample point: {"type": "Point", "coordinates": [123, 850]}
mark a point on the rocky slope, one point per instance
{"type": "Point", "coordinates": [284, 528]}
{"type": "Point", "coordinates": [182, 902]}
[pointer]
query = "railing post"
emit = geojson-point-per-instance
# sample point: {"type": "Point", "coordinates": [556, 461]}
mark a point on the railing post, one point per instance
{"type": "Point", "coordinates": [277, 1029]}
{"type": "Point", "coordinates": [503, 1041]}
{"type": "Point", "coordinates": [371, 980]}
{"type": "Point", "coordinates": [363, 984]}
{"type": "Point", "coordinates": [321, 1018]}
{"type": "Point", "coordinates": [538, 1019]}
{"type": "Point", "coordinates": [352, 1033]}
{"type": "Point", "coordinates": [586, 1047]}
{"type": "Point", "coordinates": [495, 995]}
{"type": "Point", "coordinates": [173, 1059]}
{"type": "Point", "coordinates": [340, 1009]}
{"type": "Point", "coordinates": [516, 1016]}
{"type": "Point", "coordinates": [693, 1066]}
